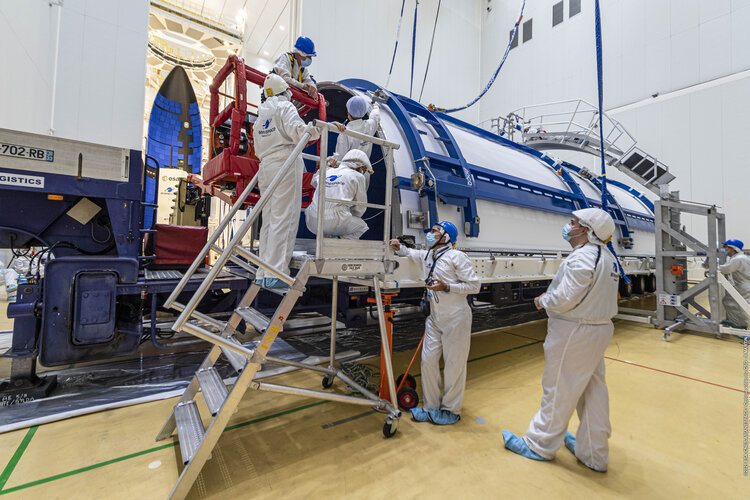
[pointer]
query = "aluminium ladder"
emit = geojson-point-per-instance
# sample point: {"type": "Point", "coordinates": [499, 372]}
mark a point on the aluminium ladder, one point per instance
{"type": "Point", "coordinates": [332, 259]}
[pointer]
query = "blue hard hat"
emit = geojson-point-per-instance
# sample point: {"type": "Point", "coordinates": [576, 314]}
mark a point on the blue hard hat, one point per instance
{"type": "Point", "coordinates": [305, 45]}
{"type": "Point", "coordinates": [734, 243]}
{"type": "Point", "coordinates": [450, 229]}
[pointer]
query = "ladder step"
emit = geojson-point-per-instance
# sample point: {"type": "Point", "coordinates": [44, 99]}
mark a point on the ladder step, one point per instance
{"type": "Point", "coordinates": [189, 429]}
{"type": "Point", "coordinates": [214, 390]}
{"type": "Point", "coordinates": [235, 359]}
{"type": "Point", "coordinates": [255, 318]}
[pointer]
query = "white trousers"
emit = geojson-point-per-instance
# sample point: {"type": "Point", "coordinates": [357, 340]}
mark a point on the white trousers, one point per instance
{"type": "Point", "coordinates": [449, 337]}
{"type": "Point", "coordinates": [574, 380]}
{"type": "Point", "coordinates": [343, 225]}
{"type": "Point", "coordinates": [280, 215]}
{"type": "Point", "coordinates": [8, 277]}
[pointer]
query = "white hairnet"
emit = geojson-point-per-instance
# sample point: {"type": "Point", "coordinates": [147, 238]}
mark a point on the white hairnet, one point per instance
{"type": "Point", "coordinates": [358, 106]}
{"type": "Point", "coordinates": [598, 221]}
{"type": "Point", "coordinates": [357, 159]}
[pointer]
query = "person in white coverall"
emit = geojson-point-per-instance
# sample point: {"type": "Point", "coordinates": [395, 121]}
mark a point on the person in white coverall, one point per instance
{"type": "Point", "coordinates": [580, 303]}
{"type": "Point", "coordinates": [448, 328]}
{"type": "Point", "coordinates": [357, 109]}
{"type": "Point", "coordinates": [344, 183]}
{"type": "Point", "coordinates": [276, 132]}
{"type": "Point", "coordinates": [737, 267]}
{"type": "Point", "coordinates": [292, 66]}
{"type": "Point", "coordinates": [9, 278]}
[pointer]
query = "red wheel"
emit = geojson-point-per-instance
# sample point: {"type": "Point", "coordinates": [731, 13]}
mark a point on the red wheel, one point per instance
{"type": "Point", "coordinates": [410, 381]}
{"type": "Point", "coordinates": [407, 398]}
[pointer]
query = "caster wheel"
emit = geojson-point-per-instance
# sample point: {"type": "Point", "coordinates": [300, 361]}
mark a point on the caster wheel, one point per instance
{"type": "Point", "coordinates": [410, 381]}
{"type": "Point", "coordinates": [389, 428]}
{"type": "Point", "coordinates": [651, 283]}
{"type": "Point", "coordinates": [639, 284]}
{"type": "Point", "coordinates": [327, 381]}
{"type": "Point", "coordinates": [407, 398]}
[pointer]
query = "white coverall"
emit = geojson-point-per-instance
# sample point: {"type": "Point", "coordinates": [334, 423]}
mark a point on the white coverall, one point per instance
{"type": "Point", "coordinates": [342, 183]}
{"type": "Point", "coordinates": [277, 130]}
{"type": "Point", "coordinates": [448, 328]}
{"type": "Point", "coordinates": [8, 277]}
{"type": "Point", "coordinates": [291, 71]}
{"type": "Point", "coordinates": [738, 266]}
{"type": "Point", "coordinates": [345, 143]}
{"type": "Point", "coordinates": [580, 303]}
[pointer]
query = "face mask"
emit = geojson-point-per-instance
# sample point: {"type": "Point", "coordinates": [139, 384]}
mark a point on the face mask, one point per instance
{"type": "Point", "coordinates": [431, 239]}
{"type": "Point", "coordinates": [723, 250]}
{"type": "Point", "coordinates": [306, 62]}
{"type": "Point", "coordinates": [566, 232]}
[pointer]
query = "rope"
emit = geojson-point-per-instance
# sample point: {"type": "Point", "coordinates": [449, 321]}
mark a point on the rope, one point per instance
{"type": "Point", "coordinates": [600, 84]}
{"type": "Point", "coordinates": [413, 46]}
{"type": "Point", "coordinates": [361, 374]}
{"type": "Point", "coordinates": [494, 76]}
{"type": "Point", "coordinates": [429, 56]}
{"type": "Point", "coordinates": [398, 32]}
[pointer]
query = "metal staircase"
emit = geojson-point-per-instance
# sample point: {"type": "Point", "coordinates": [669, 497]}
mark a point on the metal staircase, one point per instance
{"type": "Point", "coordinates": [332, 258]}
{"type": "Point", "coordinates": [574, 125]}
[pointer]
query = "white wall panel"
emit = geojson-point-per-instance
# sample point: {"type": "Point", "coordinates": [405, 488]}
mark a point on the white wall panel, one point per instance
{"type": "Point", "coordinates": [740, 39]}
{"type": "Point", "coordinates": [685, 14]}
{"type": "Point", "coordinates": [715, 48]}
{"type": "Point", "coordinates": [711, 9]}
{"type": "Point", "coordinates": [354, 39]}
{"type": "Point", "coordinates": [684, 52]}
{"type": "Point", "coordinates": [101, 69]}
{"type": "Point", "coordinates": [650, 47]}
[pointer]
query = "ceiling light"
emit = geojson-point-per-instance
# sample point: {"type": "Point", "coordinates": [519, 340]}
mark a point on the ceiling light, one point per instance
{"type": "Point", "coordinates": [265, 53]}
{"type": "Point", "coordinates": [226, 44]}
{"type": "Point", "coordinates": [282, 28]}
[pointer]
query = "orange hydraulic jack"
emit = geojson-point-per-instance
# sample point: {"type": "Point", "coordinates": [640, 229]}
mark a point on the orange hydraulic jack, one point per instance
{"type": "Point", "coordinates": [383, 391]}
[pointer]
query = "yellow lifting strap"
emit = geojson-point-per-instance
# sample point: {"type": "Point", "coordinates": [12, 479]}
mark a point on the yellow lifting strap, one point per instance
{"type": "Point", "coordinates": [291, 60]}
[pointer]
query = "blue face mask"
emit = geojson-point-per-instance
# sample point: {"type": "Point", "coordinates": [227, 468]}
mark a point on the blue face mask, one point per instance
{"type": "Point", "coordinates": [566, 232]}
{"type": "Point", "coordinates": [306, 62]}
{"type": "Point", "coordinates": [723, 250]}
{"type": "Point", "coordinates": [431, 239]}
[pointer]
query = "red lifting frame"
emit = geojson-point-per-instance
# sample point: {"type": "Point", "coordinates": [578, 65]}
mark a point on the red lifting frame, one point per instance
{"type": "Point", "coordinates": [228, 163]}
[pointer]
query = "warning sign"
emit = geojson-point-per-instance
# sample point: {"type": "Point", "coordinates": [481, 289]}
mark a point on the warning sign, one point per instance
{"type": "Point", "coordinates": [669, 300]}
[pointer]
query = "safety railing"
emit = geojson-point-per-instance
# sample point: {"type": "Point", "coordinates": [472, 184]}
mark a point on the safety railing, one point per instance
{"type": "Point", "coordinates": [572, 122]}
{"type": "Point", "coordinates": [388, 147]}
{"type": "Point", "coordinates": [232, 250]}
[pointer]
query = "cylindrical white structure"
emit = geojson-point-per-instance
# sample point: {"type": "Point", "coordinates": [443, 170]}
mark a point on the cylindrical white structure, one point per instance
{"type": "Point", "coordinates": [522, 197]}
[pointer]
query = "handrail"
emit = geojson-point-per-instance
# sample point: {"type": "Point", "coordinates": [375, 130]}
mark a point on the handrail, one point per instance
{"type": "Point", "coordinates": [227, 253]}
{"type": "Point", "coordinates": [326, 127]}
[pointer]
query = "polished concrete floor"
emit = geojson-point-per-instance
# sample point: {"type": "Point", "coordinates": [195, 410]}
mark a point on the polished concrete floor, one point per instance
{"type": "Point", "coordinates": [676, 411]}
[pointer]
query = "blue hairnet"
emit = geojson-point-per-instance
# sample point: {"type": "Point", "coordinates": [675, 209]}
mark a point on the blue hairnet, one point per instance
{"type": "Point", "coordinates": [358, 106]}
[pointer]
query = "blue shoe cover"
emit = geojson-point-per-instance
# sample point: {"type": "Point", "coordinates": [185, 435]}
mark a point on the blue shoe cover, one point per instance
{"type": "Point", "coordinates": [275, 283]}
{"type": "Point", "coordinates": [570, 442]}
{"type": "Point", "coordinates": [519, 446]}
{"type": "Point", "coordinates": [421, 415]}
{"type": "Point", "coordinates": [10, 289]}
{"type": "Point", "coordinates": [444, 417]}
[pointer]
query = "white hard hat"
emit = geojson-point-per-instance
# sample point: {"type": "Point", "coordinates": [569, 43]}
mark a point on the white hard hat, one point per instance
{"type": "Point", "coordinates": [274, 85]}
{"type": "Point", "coordinates": [357, 159]}
{"type": "Point", "coordinates": [598, 221]}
